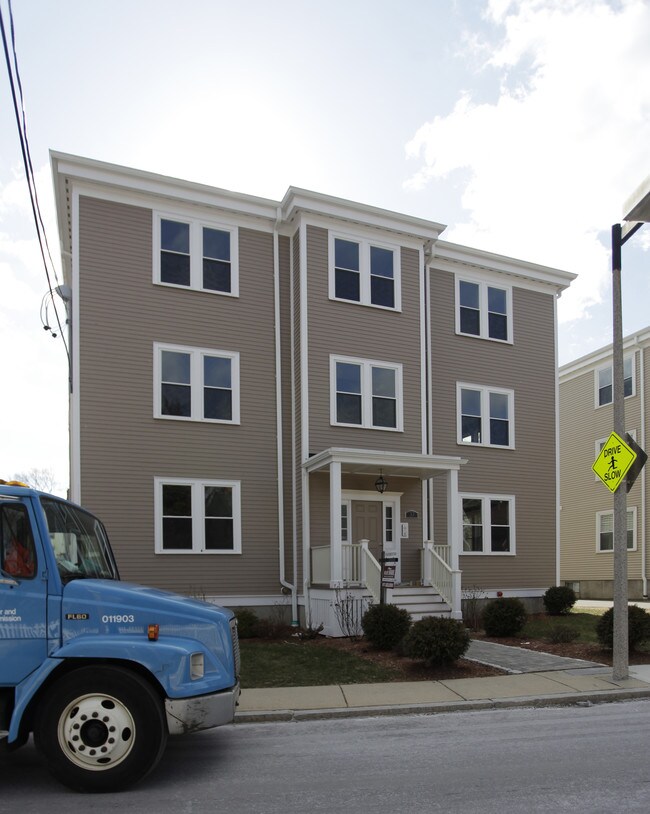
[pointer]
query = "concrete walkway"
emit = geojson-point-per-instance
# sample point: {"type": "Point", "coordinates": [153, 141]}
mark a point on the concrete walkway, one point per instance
{"type": "Point", "coordinates": [534, 679]}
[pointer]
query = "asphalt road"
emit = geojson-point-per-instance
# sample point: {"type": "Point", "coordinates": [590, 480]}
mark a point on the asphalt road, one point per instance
{"type": "Point", "coordinates": [579, 759]}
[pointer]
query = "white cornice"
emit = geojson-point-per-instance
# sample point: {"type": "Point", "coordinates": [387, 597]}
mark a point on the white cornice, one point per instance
{"type": "Point", "coordinates": [602, 356]}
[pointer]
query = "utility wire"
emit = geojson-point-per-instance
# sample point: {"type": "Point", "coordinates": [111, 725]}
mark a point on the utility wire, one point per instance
{"type": "Point", "coordinates": [14, 79]}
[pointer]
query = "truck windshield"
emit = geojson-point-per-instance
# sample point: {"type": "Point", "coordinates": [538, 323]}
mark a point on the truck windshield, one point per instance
{"type": "Point", "coordinates": [79, 541]}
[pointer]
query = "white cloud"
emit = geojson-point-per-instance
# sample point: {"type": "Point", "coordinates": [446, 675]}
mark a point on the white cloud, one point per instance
{"type": "Point", "coordinates": [549, 163]}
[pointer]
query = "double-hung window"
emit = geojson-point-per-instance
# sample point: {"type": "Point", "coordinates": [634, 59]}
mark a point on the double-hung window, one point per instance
{"type": "Point", "coordinates": [488, 524]}
{"type": "Point", "coordinates": [605, 530]}
{"type": "Point", "coordinates": [194, 254]}
{"type": "Point", "coordinates": [197, 516]}
{"type": "Point", "coordinates": [604, 382]}
{"type": "Point", "coordinates": [365, 393]}
{"type": "Point", "coordinates": [196, 384]}
{"type": "Point", "coordinates": [485, 416]}
{"type": "Point", "coordinates": [364, 272]}
{"type": "Point", "coordinates": [483, 310]}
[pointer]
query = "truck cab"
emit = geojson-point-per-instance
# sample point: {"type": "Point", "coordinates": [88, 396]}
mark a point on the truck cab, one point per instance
{"type": "Point", "coordinates": [99, 670]}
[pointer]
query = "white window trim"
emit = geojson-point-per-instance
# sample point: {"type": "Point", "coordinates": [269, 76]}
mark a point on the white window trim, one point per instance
{"type": "Point", "coordinates": [597, 371]}
{"type": "Point", "coordinates": [366, 366]}
{"type": "Point", "coordinates": [485, 414]}
{"type": "Point", "coordinates": [364, 270]}
{"type": "Point", "coordinates": [485, 502]}
{"type": "Point", "coordinates": [196, 382]}
{"type": "Point", "coordinates": [483, 308]}
{"type": "Point", "coordinates": [599, 515]}
{"type": "Point", "coordinates": [196, 252]}
{"type": "Point", "coordinates": [198, 515]}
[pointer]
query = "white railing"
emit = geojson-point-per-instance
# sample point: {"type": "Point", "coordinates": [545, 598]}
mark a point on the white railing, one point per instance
{"type": "Point", "coordinates": [352, 564]}
{"type": "Point", "coordinates": [437, 572]}
{"type": "Point", "coordinates": [320, 564]}
{"type": "Point", "coordinates": [371, 571]}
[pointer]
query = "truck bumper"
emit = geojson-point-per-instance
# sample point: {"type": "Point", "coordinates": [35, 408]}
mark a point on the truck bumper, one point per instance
{"type": "Point", "coordinates": [201, 712]}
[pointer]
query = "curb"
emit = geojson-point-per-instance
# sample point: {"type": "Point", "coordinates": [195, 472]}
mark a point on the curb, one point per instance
{"type": "Point", "coordinates": [562, 700]}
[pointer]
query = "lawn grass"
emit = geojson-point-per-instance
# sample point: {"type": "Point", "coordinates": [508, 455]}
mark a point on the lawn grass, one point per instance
{"type": "Point", "coordinates": [294, 664]}
{"type": "Point", "coordinates": [541, 626]}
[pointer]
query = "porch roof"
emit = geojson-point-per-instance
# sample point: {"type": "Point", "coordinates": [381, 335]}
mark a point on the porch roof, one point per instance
{"type": "Point", "coordinates": [370, 461]}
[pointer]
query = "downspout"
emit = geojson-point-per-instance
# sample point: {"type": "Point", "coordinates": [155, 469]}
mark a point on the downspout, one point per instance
{"type": "Point", "coordinates": [558, 506]}
{"type": "Point", "coordinates": [644, 576]}
{"type": "Point", "coordinates": [278, 412]}
{"type": "Point", "coordinates": [428, 377]}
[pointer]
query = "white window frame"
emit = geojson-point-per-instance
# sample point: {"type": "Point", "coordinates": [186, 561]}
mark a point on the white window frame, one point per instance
{"type": "Point", "coordinates": [629, 359]}
{"type": "Point", "coordinates": [364, 270]}
{"type": "Point", "coordinates": [196, 252]}
{"type": "Point", "coordinates": [483, 309]}
{"type": "Point", "coordinates": [486, 522]}
{"type": "Point", "coordinates": [599, 516]}
{"type": "Point", "coordinates": [485, 414]}
{"type": "Point", "coordinates": [196, 382]}
{"type": "Point", "coordinates": [366, 366]}
{"type": "Point", "coordinates": [198, 515]}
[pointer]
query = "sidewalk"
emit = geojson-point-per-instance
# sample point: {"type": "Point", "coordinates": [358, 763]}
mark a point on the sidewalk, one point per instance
{"type": "Point", "coordinates": [534, 679]}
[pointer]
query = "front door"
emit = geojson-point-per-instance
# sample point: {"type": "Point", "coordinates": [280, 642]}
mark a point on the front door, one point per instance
{"type": "Point", "coordinates": [367, 524]}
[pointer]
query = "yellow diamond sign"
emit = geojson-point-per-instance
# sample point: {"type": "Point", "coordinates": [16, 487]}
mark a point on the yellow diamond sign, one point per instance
{"type": "Point", "coordinates": [613, 461]}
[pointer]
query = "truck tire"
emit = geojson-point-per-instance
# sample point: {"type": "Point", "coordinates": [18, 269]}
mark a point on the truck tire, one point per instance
{"type": "Point", "coordinates": [101, 728]}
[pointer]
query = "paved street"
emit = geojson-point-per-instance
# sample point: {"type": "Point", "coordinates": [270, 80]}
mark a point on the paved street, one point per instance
{"type": "Point", "coordinates": [583, 759]}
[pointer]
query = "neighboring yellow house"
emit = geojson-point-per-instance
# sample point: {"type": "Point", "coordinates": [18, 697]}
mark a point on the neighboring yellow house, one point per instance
{"type": "Point", "coordinates": [586, 516]}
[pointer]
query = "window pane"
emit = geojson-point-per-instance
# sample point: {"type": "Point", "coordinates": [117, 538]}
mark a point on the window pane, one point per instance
{"type": "Point", "coordinates": [382, 292]}
{"type": "Point", "coordinates": [471, 402]}
{"type": "Point", "coordinates": [177, 500]}
{"type": "Point", "coordinates": [218, 501]}
{"type": "Point", "coordinates": [381, 262]}
{"type": "Point", "coordinates": [174, 236]}
{"type": "Point", "coordinates": [499, 432]}
{"type": "Point", "coordinates": [497, 326]}
{"type": "Point", "coordinates": [500, 538]}
{"type": "Point", "coordinates": [175, 268]}
{"type": "Point", "coordinates": [219, 534]}
{"type": "Point", "coordinates": [346, 254]}
{"type": "Point", "coordinates": [17, 551]}
{"type": "Point", "coordinates": [175, 367]}
{"type": "Point", "coordinates": [470, 321]}
{"type": "Point", "coordinates": [498, 405]}
{"type": "Point", "coordinates": [348, 409]}
{"type": "Point", "coordinates": [176, 399]}
{"type": "Point", "coordinates": [177, 533]}
{"type": "Point", "coordinates": [472, 510]}
{"type": "Point", "coordinates": [606, 541]}
{"type": "Point", "coordinates": [383, 382]}
{"type": "Point", "coordinates": [348, 377]}
{"type": "Point", "coordinates": [469, 294]}
{"type": "Point", "coordinates": [347, 285]}
{"type": "Point", "coordinates": [384, 412]}
{"type": "Point", "coordinates": [471, 429]}
{"type": "Point", "coordinates": [216, 244]}
{"type": "Point", "coordinates": [605, 395]}
{"type": "Point", "coordinates": [216, 371]}
{"type": "Point", "coordinates": [500, 512]}
{"type": "Point", "coordinates": [472, 538]}
{"type": "Point", "coordinates": [216, 275]}
{"type": "Point", "coordinates": [496, 300]}
{"type": "Point", "coordinates": [217, 404]}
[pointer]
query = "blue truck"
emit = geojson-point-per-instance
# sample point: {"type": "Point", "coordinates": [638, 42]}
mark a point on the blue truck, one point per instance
{"type": "Point", "coordinates": [100, 671]}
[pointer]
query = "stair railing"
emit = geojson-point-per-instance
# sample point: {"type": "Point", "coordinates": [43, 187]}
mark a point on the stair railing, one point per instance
{"type": "Point", "coordinates": [438, 573]}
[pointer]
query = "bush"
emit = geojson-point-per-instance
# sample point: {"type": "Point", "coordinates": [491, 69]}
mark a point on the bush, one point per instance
{"type": "Point", "coordinates": [638, 628]}
{"type": "Point", "coordinates": [436, 641]}
{"type": "Point", "coordinates": [385, 625]}
{"type": "Point", "coordinates": [504, 617]}
{"type": "Point", "coordinates": [247, 623]}
{"type": "Point", "coordinates": [563, 634]}
{"type": "Point", "coordinates": [559, 600]}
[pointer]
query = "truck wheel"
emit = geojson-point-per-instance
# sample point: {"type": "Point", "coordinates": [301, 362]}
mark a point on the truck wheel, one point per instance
{"type": "Point", "coordinates": [101, 728]}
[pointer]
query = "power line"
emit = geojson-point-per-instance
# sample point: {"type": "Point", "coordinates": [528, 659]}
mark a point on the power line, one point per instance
{"type": "Point", "coordinates": [21, 122]}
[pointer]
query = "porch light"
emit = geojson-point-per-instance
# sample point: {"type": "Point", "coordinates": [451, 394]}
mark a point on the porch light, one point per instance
{"type": "Point", "coordinates": [381, 483]}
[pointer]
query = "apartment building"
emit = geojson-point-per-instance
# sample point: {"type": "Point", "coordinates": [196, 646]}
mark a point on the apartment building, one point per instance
{"type": "Point", "coordinates": [270, 396]}
{"type": "Point", "coordinates": [587, 508]}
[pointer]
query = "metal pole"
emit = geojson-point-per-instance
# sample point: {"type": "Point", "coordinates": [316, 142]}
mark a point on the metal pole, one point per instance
{"type": "Point", "coordinates": [620, 655]}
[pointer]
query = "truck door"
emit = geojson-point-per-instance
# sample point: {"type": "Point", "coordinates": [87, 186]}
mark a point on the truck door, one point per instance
{"type": "Point", "coordinates": [23, 596]}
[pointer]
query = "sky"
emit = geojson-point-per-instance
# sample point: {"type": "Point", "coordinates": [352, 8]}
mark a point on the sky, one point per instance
{"type": "Point", "coordinates": [523, 125]}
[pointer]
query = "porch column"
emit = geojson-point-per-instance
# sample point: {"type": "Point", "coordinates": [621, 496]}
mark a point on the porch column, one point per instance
{"type": "Point", "coordinates": [336, 552]}
{"type": "Point", "coordinates": [454, 538]}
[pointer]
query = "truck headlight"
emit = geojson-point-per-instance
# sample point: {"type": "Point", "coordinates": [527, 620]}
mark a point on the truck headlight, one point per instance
{"type": "Point", "coordinates": [197, 666]}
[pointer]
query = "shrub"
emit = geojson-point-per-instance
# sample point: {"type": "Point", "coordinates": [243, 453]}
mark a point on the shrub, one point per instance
{"type": "Point", "coordinates": [504, 617]}
{"type": "Point", "coordinates": [559, 600]}
{"type": "Point", "coordinates": [385, 625]}
{"type": "Point", "coordinates": [563, 634]}
{"type": "Point", "coordinates": [436, 641]}
{"type": "Point", "coordinates": [247, 623]}
{"type": "Point", "coordinates": [638, 628]}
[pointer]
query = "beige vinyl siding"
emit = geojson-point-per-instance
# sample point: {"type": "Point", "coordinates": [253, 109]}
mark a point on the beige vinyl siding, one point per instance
{"type": "Point", "coordinates": [582, 495]}
{"type": "Point", "coordinates": [123, 447]}
{"type": "Point", "coordinates": [365, 332]}
{"type": "Point", "coordinates": [527, 472]}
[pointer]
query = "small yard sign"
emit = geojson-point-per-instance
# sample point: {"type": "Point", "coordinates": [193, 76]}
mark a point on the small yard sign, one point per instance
{"type": "Point", "coordinates": [613, 461]}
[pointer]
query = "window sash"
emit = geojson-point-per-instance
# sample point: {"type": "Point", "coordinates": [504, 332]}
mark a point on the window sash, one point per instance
{"type": "Point", "coordinates": [604, 382]}
{"type": "Point", "coordinates": [605, 531]}
{"type": "Point", "coordinates": [366, 394]}
{"type": "Point", "coordinates": [197, 517]}
{"type": "Point", "coordinates": [364, 271]}
{"type": "Point", "coordinates": [488, 523]}
{"type": "Point", "coordinates": [483, 310]}
{"type": "Point", "coordinates": [485, 416]}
